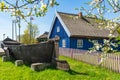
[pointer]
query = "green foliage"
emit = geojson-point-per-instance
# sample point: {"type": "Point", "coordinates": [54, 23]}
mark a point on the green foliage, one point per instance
{"type": "Point", "coordinates": [26, 8]}
{"type": "Point", "coordinates": [41, 39]}
{"type": "Point", "coordinates": [99, 9]}
{"type": "Point", "coordinates": [30, 1]}
{"type": "Point", "coordinates": [29, 36]}
{"type": "Point", "coordinates": [79, 71]}
{"type": "Point", "coordinates": [25, 38]}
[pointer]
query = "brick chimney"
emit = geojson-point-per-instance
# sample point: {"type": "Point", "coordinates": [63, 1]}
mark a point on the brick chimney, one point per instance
{"type": "Point", "coordinates": [80, 14]}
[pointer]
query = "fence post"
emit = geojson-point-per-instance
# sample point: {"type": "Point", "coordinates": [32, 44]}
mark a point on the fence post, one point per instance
{"type": "Point", "coordinates": [56, 47]}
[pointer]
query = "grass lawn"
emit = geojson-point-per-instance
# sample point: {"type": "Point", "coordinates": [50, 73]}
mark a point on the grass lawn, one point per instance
{"type": "Point", "coordinates": [79, 71]}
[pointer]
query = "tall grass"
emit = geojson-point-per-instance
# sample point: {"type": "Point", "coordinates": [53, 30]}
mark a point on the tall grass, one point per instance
{"type": "Point", "coordinates": [79, 71]}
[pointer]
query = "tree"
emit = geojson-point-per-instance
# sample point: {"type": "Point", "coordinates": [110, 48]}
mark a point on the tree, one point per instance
{"type": "Point", "coordinates": [25, 37]}
{"type": "Point", "coordinates": [26, 8]}
{"type": "Point", "coordinates": [23, 9]}
{"type": "Point", "coordinates": [34, 33]}
{"type": "Point", "coordinates": [115, 4]}
{"type": "Point", "coordinates": [29, 37]}
{"type": "Point", "coordinates": [98, 8]}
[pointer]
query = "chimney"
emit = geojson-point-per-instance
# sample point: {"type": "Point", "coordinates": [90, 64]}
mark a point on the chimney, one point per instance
{"type": "Point", "coordinates": [80, 14]}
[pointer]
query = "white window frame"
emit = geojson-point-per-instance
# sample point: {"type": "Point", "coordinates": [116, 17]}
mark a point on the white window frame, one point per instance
{"type": "Point", "coordinates": [63, 43]}
{"type": "Point", "coordinates": [95, 41]}
{"type": "Point", "coordinates": [79, 43]}
{"type": "Point", "coordinates": [58, 28]}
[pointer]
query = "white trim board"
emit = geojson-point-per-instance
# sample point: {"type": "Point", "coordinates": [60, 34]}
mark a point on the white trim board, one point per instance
{"type": "Point", "coordinates": [64, 26]}
{"type": "Point", "coordinates": [52, 26]}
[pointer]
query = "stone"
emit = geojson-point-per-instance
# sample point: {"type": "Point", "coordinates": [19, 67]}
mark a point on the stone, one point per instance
{"type": "Point", "coordinates": [2, 54]}
{"type": "Point", "coordinates": [39, 66]}
{"type": "Point", "coordinates": [5, 58]}
{"type": "Point", "coordinates": [19, 62]}
{"type": "Point", "coordinates": [63, 65]}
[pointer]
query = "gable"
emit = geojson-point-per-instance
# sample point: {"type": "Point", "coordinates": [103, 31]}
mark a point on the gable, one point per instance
{"type": "Point", "coordinates": [58, 18]}
{"type": "Point", "coordinates": [76, 26]}
{"type": "Point", "coordinates": [54, 31]}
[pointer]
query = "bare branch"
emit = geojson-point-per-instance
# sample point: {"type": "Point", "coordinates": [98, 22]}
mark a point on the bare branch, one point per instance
{"type": "Point", "coordinates": [113, 5]}
{"type": "Point", "coordinates": [9, 3]}
{"type": "Point", "coordinates": [27, 3]}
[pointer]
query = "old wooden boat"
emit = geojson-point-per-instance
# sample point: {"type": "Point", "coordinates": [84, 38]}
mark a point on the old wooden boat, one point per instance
{"type": "Point", "coordinates": [41, 52]}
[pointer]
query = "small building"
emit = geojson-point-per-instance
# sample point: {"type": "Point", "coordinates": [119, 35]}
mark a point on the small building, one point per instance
{"type": "Point", "coordinates": [76, 31]}
{"type": "Point", "coordinates": [43, 37]}
{"type": "Point", "coordinates": [8, 41]}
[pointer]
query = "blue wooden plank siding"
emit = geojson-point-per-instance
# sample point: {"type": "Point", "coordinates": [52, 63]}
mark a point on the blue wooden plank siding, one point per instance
{"type": "Point", "coordinates": [70, 42]}
{"type": "Point", "coordinates": [62, 34]}
{"type": "Point", "coordinates": [69, 39]}
{"type": "Point", "coordinates": [86, 43]}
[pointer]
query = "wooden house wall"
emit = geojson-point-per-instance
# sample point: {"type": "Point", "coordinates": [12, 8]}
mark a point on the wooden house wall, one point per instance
{"type": "Point", "coordinates": [62, 34]}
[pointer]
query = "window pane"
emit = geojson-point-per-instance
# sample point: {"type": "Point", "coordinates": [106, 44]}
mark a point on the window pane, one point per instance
{"type": "Point", "coordinates": [58, 29]}
{"type": "Point", "coordinates": [79, 43]}
{"type": "Point", "coordinates": [63, 43]}
{"type": "Point", "coordinates": [95, 41]}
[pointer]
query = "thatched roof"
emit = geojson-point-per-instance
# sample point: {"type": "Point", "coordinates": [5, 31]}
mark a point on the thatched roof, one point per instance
{"type": "Point", "coordinates": [9, 41]}
{"type": "Point", "coordinates": [44, 35]}
{"type": "Point", "coordinates": [80, 26]}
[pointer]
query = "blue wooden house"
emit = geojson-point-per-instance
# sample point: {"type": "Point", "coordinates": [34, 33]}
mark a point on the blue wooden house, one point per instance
{"type": "Point", "coordinates": [76, 31]}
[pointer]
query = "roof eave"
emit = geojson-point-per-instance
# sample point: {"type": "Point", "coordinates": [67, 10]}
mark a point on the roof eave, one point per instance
{"type": "Point", "coordinates": [51, 27]}
{"type": "Point", "coordinates": [90, 37]}
{"type": "Point", "coordinates": [61, 21]}
{"type": "Point", "coordinates": [63, 24]}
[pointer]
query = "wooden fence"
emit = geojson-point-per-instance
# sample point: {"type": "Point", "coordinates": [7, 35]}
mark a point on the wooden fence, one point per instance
{"type": "Point", "coordinates": [112, 61]}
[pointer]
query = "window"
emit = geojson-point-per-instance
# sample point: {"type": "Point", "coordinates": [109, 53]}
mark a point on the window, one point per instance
{"type": "Point", "coordinates": [63, 43]}
{"type": "Point", "coordinates": [95, 41]}
{"type": "Point", "coordinates": [79, 43]}
{"type": "Point", "coordinates": [58, 29]}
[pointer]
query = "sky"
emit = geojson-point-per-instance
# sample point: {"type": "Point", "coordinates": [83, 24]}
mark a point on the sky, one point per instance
{"type": "Point", "coordinates": [44, 23]}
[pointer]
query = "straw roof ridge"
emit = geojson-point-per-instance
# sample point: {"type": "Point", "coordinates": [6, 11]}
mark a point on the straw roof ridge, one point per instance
{"type": "Point", "coordinates": [83, 26]}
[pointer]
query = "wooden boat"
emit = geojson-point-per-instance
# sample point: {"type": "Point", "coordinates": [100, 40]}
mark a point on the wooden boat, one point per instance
{"type": "Point", "coordinates": [42, 52]}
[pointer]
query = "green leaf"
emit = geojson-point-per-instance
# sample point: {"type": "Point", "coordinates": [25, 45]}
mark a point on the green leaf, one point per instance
{"type": "Point", "coordinates": [30, 1]}
{"type": "Point", "coordinates": [76, 8]}
{"type": "Point", "coordinates": [52, 3]}
{"type": "Point", "coordinates": [56, 4]}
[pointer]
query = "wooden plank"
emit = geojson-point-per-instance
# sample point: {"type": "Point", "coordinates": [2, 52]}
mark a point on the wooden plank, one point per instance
{"type": "Point", "coordinates": [112, 62]}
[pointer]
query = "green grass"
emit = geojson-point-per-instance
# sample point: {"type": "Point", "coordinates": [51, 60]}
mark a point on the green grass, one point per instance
{"type": "Point", "coordinates": [79, 71]}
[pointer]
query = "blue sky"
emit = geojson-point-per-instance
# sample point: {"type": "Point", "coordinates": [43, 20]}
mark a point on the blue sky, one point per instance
{"type": "Point", "coordinates": [44, 23]}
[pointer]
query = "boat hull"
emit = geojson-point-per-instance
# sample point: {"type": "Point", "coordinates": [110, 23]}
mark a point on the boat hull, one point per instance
{"type": "Point", "coordinates": [42, 52]}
